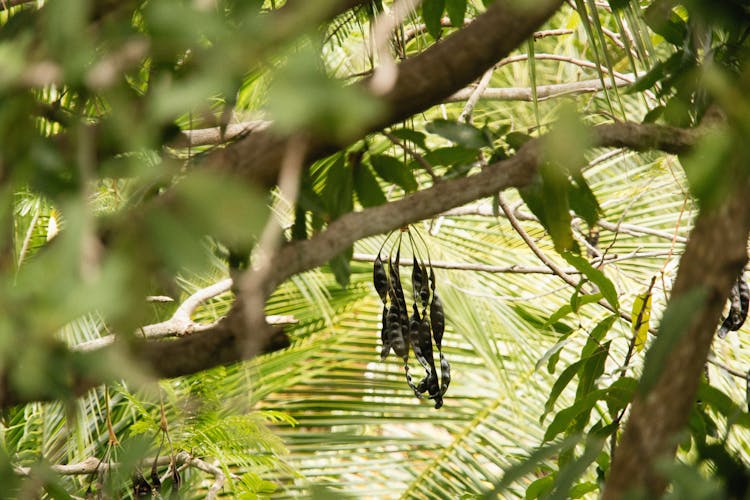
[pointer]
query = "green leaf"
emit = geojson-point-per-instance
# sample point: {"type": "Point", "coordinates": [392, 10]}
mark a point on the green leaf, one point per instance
{"type": "Point", "coordinates": [575, 469]}
{"type": "Point", "coordinates": [660, 18]}
{"type": "Point", "coordinates": [456, 12]}
{"type": "Point", "coordinates": [366, 186]}
{"type": "Point", "coordinates": [567, 416]}
{"type": "Point", "coordinates": [540, 488]}
{"type": "Point", "coordinates": [582, 200]}
{"type": "Point", "coordinates": [547, 197]}
{"type": "Point", "coordinates": [620, 393]}
{"type": "Point", "coordinates": [657, 73]}
{"type": "Point", "coordinates": [582, 489]}
{"type": "Point", "coordinates": [597, 334]}
{"type": "Point", "coordinates": [325, 105]}
{"type": "Point", "coordinates": [723, 404]}
{"type": "Point", "coordinates": [567, 141]}
{"type": "Point", "coordinates": [392, 170]}
{"type": "Point", "coordinates": [450, 155]}
{"type": "Point", "coordinates": [567, 309]}
{"type": "Point", "coordinates": [674, 324]}
{"type": "Point", "coordinates": [705, 167]}
{"type": "Point", "coordinates": [338, 190]}
{"type": "Point", "coordinates": [410, 135]}
{"type": "Point", "coordinates": [640, 317]}
{"type": "Point", "coordinates": [688, 481]}
{"type": "Point", "coordinates": [592, 369]}
{"type": "Point", "coordinates": [606, 287]}
{"type": "Point", "coordinates": [432, 12]}
{"type": "Point", "coordinates": [458, 170]}
{"type": "Point", "coordinates": [653, 114]}
{"type": "Point", "coordinates": [462, 134]}
{"type": "Point", "coordinates": [341, 266]}
{"type": "Point", "coordinates": [560, 384]}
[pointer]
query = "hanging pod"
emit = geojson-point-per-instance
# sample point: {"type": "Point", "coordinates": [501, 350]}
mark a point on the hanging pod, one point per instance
{"type": "Point", "coordinates": [739, 297]}
{"type": "Point", "coordinates": [380, 279]}
{"type": "Point", "coordinates": [422, 333]}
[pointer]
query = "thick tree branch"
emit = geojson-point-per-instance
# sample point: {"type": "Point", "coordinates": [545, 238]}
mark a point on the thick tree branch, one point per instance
{"type": "Point", "coordinates": [215, 135]}
{"type": "Point", "coordinates": [422, 81]}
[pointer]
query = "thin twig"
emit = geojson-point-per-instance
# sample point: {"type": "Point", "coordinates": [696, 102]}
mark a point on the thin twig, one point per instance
{"type": "Point", "coordinates": [544, 92]}
{"type": "Point", "coordinates": [546, 260]}
{"type": "Point", "coordinates": [465, 115]}
{"type": "Point", "coordinates": [467, 266]}
{"type": "Point", "coordinates": [731, 371]}
{"type": "Point", "coordinates": [533, 246]}
{"type": "Point", "coordinates": [631, 229]}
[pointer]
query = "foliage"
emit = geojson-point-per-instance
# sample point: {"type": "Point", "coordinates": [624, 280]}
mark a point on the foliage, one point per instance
{"type": "Point", "coordinates": [104, 205]}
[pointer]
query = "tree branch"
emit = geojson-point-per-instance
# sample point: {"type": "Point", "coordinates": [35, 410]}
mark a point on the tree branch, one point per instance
{"type": "Point", "coordinates": [469, 266]}
{"type": "Point", "coordinates": [422, 81]}
{"type": "Point", "coordinates": [213, 135]}
{"type": "Point", "coordinates": [94, 465]}
{"type": "Point", "coordinates": [181, 322]}
{"type": "Point", "coordinates": [543, 92]}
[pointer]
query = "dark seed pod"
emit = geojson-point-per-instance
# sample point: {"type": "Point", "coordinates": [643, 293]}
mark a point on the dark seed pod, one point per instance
{"type": "Point", "coordinates": [393, 270]}
{"type": "Point", "coordinates": [414, 343]}
{"type": "Point", "coordinates": [437, 318]}
{"type": "Point", "coordinates": [415, 324]}
{"type": "Point", "coordinates": [176, 483]}
{"type": "Point", "coordinates": [395, 333]}
{"type": "Point", "coordinates": [417, 279]}
{"type": "Point", "coordinates": [141, 488]}
{"type": "Point", "coordinates": [425, 343]}
{"type": "Point", "coordinates": [380, 278]}
{"type": "Point", "coordinates": [384, 335]}
{"type": "Point", "coordinates": [445, 374]}
{"type": "Point", "coordinates": [155, 481]}
{"type": "Point", "coordinates": [396, 283]}
{"type": "Point", "coordinates": [424, 290]}
{"type": "Point", "coordinates": [738, 297]}
{"type": "Point", "coordinates": [410, 381]}
{"type": "Point", "coordinates": [438, 401]}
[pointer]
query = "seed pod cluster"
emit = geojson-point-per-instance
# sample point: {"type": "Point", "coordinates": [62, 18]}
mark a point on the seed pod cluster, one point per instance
{"type": "Point", "coordinates": [739, 299]}
{"type": "Point", "coordinates": [420, 332]}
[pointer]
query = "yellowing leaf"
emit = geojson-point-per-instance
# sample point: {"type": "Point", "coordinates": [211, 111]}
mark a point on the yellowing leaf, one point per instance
{"type": "Point", "coordinates": [640, 318]}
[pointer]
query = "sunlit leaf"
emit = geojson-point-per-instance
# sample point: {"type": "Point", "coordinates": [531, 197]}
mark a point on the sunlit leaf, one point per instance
{"type": "Point", "coordinates": [640, 318]}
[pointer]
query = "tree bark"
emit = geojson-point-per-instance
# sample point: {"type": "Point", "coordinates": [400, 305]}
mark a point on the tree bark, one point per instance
{"type": "Point", "coordinates": [423, 81]}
